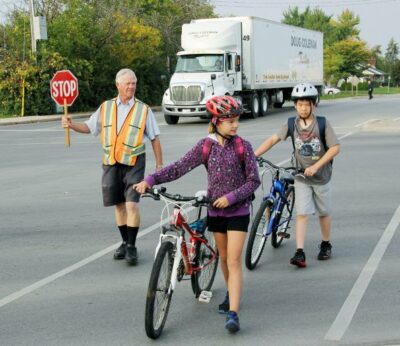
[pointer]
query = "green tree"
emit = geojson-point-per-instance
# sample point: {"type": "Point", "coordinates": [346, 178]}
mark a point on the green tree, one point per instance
{"type": "Point", "coordinates": [352, 56]}
{"type": "Point", "coordinates": [392, 63]}
{"type": "Point", "coordinates": [346, 26]}
{"type": "Point", "coordinates": [94, 39]}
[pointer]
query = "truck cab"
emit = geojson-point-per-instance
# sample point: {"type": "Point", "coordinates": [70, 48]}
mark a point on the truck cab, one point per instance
{"type": "Point", "coordinates": [208, 65]}
{"type": "Point", "coordinates": [198, 76]}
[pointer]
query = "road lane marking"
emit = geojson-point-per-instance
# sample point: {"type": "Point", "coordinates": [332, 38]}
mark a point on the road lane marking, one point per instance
{"type": "Point", "coordinates": [366, 122]}
{"type": "Point", "coordinates": [16, 295]}
{"type": "Point", "coordinates": [346, 313]}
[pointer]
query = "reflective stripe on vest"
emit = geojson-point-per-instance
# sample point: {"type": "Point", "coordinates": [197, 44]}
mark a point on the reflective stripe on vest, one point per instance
{"type": "Point", "coordinates": [127, 145]}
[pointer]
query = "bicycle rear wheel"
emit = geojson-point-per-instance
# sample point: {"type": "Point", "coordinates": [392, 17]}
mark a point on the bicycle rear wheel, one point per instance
{"type": "Point", "coordinates": [158, 293]}
{"type": "Point", "coordinates": [203, 280]}
{"type": "Point", "coordinates": [280, 232]}
{"type": "Point", "coordinates": [257, 236]}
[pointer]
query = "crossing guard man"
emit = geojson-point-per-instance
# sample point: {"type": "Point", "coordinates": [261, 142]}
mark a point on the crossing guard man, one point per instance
{"type": "Point", "coordinates": [125, 124]}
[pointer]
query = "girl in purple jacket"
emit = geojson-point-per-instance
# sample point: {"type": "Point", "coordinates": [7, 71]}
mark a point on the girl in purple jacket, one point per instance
{"type": "Point", "coordinates": [232, 179]}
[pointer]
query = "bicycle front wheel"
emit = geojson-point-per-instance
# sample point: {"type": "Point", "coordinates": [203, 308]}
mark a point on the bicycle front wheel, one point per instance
{"type": "Point", "coordinates": [258, 235]}
{"type": "Point", "coordinates": [203, 279]}
{"type": "Point", "coordinates": [158, 293]}
{"type": "Point", "coordinates": [281, 230]}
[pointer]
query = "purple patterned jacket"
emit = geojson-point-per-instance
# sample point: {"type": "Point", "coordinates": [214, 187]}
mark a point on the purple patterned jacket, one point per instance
{"type": "Point", "coordinates": [226, 177]}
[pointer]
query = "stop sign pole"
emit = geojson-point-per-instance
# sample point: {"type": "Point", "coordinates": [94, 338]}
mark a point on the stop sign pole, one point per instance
{"type": "Point", "coordinates": [64, 91]}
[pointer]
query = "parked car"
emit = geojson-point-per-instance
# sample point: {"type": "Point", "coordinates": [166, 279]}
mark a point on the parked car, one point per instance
{"type": "Point", "coordinates": [329, 90]}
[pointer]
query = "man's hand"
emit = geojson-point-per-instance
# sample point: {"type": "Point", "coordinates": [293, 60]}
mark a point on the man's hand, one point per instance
{"type": "Point", "coordinates": [221, 203]}
{"type": "Point", "coordinates": [66, 121]}
{"type": "Point", "coordinates": [141, 187]}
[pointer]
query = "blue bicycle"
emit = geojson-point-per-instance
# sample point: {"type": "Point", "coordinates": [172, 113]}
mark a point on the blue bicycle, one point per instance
{"type": "Point", "coordinates": [274, 214]}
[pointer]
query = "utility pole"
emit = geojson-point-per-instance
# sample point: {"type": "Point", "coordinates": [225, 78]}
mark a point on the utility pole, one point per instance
{"type": "Point", "coordinates": [33, 38]}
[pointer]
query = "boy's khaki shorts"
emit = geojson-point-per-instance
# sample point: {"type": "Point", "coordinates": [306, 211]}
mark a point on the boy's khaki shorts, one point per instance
{"type": "Point", "coordinates": [312, 198]}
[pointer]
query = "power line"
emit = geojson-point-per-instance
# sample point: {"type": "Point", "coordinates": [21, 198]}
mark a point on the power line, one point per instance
{"type": "Point", "coordinates": [281, 4]}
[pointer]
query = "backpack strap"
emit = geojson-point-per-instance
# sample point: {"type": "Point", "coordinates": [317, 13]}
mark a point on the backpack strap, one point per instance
{"type": "Point", "coordinates": [321, 126]}
{"type": "Point", "coordinates": [206, 151]}
{"type": "Point", "coordinates": [239, 150]}
{"type": "Point", "coordinates": [291, 121]}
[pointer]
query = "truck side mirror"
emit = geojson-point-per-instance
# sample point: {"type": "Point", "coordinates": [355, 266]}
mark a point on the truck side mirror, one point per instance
{"type": "Point", "coordinates": [237, 63]}
{"type": "Point", "coordinates": [213, 76]}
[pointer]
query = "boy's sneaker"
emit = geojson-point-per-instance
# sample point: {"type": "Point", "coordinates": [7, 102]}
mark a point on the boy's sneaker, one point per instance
{"type": "Point", "coordinates": [299, 259]}
{"type": "Point", "coordinates": [325, 250]}
{"type": "Point", "coordinates": [223, 308]}
{"type": "Point", "coordinates": [232, 322]}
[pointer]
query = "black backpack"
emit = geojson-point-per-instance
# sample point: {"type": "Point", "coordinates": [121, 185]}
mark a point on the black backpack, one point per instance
{"type": "Point", "coordinates": [321, 126]}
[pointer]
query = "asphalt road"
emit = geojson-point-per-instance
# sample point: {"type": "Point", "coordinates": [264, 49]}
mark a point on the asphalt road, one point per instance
{"type": "Point", "coordinates": [60, 286]}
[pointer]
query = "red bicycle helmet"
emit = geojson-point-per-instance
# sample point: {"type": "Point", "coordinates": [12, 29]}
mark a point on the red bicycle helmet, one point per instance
{"type": "Point", "coordinates": [223, 107]}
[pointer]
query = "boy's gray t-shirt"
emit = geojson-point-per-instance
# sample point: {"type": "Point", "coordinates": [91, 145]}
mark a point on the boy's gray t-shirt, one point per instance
{"type": "Point", "coordinates": [309, 148]}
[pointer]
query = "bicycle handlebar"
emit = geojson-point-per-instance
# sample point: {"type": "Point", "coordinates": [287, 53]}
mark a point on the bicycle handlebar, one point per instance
{"type": "Point", "coordinates": [292, 170]}
{"type": "Point", "coordinates": [156, 192]}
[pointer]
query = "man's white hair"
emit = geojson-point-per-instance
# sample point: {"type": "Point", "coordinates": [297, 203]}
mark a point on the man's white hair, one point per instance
{"type": "Point", "coordinates": [123, 72]}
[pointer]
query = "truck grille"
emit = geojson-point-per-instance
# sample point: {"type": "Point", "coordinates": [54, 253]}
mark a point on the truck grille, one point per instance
{"type": "Point", "coordinates": [186, 95]}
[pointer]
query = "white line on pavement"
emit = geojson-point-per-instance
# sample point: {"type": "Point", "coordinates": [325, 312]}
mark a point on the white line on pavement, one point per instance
{"type": "Point", "coordinates": [346, 313]}
{"type": "Point", "coordinates": [16, 295]}
{"type": "Point", "coordinates": [365, 122]}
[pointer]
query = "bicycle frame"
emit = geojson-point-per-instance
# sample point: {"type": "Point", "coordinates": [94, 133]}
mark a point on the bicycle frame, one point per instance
{"type": "Point", "coordinates": [179, 225]}
{"type": "Point", "coordinates": [276, 198]}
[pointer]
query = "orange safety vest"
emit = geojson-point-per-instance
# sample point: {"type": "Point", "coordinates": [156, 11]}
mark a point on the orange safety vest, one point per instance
{"type": "Point", "coordinates": [125, 146]}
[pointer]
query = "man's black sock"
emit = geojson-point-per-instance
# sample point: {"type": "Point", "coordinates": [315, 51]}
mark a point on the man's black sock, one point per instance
{"type": "Point", "coordinates": [132, 234]}
{"type": "Point", "coordinates": [124, 232]}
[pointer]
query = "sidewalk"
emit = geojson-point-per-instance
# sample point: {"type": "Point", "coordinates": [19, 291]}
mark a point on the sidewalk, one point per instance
{"type": "Point", "coordinates": [28, 119]}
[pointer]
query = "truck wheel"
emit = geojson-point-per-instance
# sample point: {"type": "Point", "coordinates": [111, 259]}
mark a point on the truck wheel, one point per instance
{"type": "Point", "coordinates": [171, 119]}
{"type": "Point", "coordinates": [255, 105]}
{"type": "Point", "coordinates": [278, 104]}
{"type": "Point", "coordinates": [264, 103]}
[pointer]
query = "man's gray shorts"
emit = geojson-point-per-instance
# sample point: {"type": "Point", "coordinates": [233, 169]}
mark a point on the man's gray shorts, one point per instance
{"type": "Point", "coordinates": [312, 198]}
{"type": "Point", "coordinates": [118, 179]}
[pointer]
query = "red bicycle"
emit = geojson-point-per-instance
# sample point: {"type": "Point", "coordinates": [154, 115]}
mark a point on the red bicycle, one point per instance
{"type": "Point", "coordinates": [176, 258]}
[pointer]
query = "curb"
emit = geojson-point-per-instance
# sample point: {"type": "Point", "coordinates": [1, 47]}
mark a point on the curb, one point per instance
{"type": "Point", "coordinates": [38, 118]}
{"type": "Point", "coordinates": [29, 119]}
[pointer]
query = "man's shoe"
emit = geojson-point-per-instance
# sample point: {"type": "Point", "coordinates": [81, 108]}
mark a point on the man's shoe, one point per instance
{"type": "Point", "coordinates": [223, 308]}
{"type": "Point", "coordinates": [119, 254]}
{"type": "Point", "coordinates": [299, 259]}
{"type": "Point", "coordinates": [325, 250]}
{"type": "Point", "coordinates": [131, 254]}
{"type": "Point", "coordinates": [232, 322]}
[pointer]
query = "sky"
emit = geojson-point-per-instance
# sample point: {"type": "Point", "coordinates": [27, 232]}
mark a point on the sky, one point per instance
{"type": "Point", "coordinates": [379, 19]}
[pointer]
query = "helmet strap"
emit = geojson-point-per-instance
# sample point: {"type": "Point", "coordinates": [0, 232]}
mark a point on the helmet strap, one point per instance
{"type": "Point", "coordinates": [219, 134]}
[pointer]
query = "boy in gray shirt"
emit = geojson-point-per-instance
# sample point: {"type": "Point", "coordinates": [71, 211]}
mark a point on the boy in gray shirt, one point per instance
{"type": "Point", "coordinates": [313, 191]}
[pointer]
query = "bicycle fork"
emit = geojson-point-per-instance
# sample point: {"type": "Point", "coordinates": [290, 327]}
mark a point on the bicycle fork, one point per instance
{"type": "Point", "coordinates": [177, 260]}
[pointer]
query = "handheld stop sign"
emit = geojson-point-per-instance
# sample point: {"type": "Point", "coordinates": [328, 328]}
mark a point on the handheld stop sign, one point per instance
{"type": "Point", "coordinates": [64, 91]}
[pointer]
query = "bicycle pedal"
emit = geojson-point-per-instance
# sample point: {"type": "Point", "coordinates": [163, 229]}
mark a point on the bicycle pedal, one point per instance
{"type": "Point", "coordinates": [205, 296]}
{"type": "Point", "coordinates": [284, 235]}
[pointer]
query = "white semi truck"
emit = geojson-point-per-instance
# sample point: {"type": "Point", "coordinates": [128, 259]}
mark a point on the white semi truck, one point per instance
{"type": "Point", "coordinates": [254, 59]}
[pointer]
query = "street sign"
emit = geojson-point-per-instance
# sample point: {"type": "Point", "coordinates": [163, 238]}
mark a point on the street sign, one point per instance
{"type": "Point", "coordinates": [64, 88]}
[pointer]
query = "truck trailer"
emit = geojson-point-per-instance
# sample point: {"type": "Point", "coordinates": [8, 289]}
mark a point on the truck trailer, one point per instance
{"type": "Point", "coordinates": [256, 60]}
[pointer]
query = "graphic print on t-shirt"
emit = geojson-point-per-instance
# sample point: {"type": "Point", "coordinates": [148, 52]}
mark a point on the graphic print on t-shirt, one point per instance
{"type": "Point", "coordinates": [308, 144]}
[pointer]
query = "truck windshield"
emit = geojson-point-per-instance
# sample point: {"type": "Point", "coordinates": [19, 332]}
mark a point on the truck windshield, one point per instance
{"type": "Point", "coordinates": [200, 63]}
